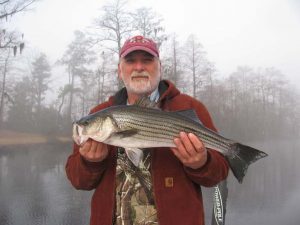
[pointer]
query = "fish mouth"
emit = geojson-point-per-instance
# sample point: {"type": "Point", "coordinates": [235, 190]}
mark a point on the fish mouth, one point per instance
{"type": "Point", "coordinates": [78, 137]}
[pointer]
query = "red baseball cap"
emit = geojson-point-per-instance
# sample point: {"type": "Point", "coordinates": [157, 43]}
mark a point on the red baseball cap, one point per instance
{"type": "Point", "coordinates": [139, 43]}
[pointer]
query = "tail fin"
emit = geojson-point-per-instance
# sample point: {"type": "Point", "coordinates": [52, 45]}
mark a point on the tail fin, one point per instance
{"type": "Point", "coordinates": [241, 158]}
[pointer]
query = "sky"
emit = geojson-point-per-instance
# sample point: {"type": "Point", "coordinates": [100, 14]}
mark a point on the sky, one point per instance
{"type": "Point", "coordinates": [255, 33]}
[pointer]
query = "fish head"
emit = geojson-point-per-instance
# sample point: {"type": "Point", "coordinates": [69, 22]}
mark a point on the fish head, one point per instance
{"type": "Point", "coordinates": [98, 128]}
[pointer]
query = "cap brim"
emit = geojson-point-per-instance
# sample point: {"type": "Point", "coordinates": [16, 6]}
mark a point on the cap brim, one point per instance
{"type": "Point", "coordinates": [136, 48]}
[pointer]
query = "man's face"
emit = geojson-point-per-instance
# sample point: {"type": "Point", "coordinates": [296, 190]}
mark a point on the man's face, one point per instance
{"type": "Point", "coordinates": [140, 72]}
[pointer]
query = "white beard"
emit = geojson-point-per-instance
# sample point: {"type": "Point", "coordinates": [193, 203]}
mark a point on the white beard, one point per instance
{"type": "Point", "coordinates": [141, 86]}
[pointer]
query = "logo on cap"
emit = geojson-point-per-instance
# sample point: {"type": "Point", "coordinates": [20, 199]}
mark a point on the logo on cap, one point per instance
{"type": "Point", "coordinates": [139, 43]}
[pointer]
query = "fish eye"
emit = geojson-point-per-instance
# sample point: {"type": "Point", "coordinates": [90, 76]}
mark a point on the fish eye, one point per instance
{"type": "Point", "coordinates": [85, 123]}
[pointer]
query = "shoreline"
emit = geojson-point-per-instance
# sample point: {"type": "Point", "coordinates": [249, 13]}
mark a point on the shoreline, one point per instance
{"type": "Point", "coordinates": [8, 138]}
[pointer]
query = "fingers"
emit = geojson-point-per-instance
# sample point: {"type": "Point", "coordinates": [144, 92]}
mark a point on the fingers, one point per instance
{"type": "Point", "coordinates": [189, 144]}
{"type": "Point", "coordinates": [94, 151]}
{"type": "Point", "coordinates": [197, 143]}
{"type": "Point", "coordinates": [181, 149]}
{"type": "Point", "coordinates": [190, 150]}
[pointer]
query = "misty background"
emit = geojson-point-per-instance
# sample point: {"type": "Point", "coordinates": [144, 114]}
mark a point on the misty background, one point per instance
{"type": "Point", "coordinates": [58, 59]}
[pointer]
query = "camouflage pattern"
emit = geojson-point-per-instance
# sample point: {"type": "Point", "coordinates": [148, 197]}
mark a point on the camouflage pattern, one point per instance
{"type": "Point", "coordinates": [134, 194]}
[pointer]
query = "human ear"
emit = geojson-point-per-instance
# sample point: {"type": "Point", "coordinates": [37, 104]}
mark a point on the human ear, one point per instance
{"type": "Point", "coordinates": [119, 72]}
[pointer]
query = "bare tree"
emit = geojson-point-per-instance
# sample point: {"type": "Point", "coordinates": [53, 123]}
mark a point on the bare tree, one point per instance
{"type": "Point", "coordinates": [195, 62]}
{"type": "Point", "coordinates": [172, 62]}
{"type": "Point", "coordinates": [117, 23]}
{"type": "Point", "coordinates": [114, 26]}
{"type": "Point", "coordinates": [209, 72]}
{"type": "Point", "coordinates": [11, 7]}
{"type": "Point", "coordinates": [11, 39]}
{"type": "Point", "coordinates": [105, 77]}
{"type": "Point", "coordinates": [3, 88]}
{"type": "Point", "coordinates": [77, 58]}
{"type": "Point", "coordinates": [62, 121]}
{"type": "Point", "coordinates": [252, 104]}
{"type": "Point", "coordinates": [149, 24]}
{"type": "Point", "coordinates": [100, 75]}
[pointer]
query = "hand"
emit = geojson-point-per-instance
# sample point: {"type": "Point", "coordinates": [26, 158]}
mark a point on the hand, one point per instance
{"type": "Point", "coordinates": [93, 151]}
{"type": "Point", "coordinates": [190, 150]}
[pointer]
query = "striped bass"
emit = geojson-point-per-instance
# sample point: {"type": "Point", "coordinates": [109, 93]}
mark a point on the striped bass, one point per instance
{"type": "Point", "coordinates": [138, 127]}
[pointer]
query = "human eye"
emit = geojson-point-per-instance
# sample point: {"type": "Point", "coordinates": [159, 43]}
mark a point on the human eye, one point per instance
{"type": "Point", "coordinates": [148, 59]}
{"type": "Point", "coordinates": [129, 60]}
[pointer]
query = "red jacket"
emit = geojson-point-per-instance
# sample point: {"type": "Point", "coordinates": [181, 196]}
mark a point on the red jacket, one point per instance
{"type": "Point", "coordinates": [177, 203]}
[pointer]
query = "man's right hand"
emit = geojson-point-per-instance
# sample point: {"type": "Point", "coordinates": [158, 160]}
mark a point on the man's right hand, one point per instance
{"type": "Point", "coordinates": [93, 151]}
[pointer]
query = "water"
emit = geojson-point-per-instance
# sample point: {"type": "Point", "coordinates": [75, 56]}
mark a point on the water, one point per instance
{"type": "Point", "coordinates": [34, 188]}
{"type": "Point", "coordinates": [270, 192]}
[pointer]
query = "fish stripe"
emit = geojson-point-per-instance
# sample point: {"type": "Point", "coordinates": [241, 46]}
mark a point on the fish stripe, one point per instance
{"type": "Point", "coordinates": [156, 130]}
{"type": "Point", "coordinates": [193, 129]}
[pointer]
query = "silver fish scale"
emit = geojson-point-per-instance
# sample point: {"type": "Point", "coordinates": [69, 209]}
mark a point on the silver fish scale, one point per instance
{"type": "Point", "coordinates": [147, 131]}
{"type": "Point", "coordinates": [155, 125]}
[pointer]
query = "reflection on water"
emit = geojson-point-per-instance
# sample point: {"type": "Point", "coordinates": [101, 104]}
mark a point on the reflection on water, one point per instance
{"type": "Point", "coordinates": [34, 188]}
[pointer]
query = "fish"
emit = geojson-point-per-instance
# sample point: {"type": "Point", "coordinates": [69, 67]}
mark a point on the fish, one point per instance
{"type": "Point", "coordinates": [143, 125]}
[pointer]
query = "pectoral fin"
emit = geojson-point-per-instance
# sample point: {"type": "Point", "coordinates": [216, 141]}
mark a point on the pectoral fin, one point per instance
{"type": "Point", "coordinates": [135, 155]}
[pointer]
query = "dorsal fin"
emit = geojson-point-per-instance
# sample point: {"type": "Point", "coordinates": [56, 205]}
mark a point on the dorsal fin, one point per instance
{"type": "Point", "coordinates": [189, 113]}
{"type": "Point", "coordinates": [146, 102]}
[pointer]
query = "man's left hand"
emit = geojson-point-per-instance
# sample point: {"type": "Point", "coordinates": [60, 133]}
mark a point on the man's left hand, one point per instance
{"type": "Point", "coordinates": [190, 150]}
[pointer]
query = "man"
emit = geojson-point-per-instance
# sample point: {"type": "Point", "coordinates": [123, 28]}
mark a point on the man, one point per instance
{"type": "Point", "coordinates": [164, 186]}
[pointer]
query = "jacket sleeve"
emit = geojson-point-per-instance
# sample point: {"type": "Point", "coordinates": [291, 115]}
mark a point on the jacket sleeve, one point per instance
{"type": "Point", "coordinates": [83, 174]}
{"type": "Point", "coordinates": [216, 168]}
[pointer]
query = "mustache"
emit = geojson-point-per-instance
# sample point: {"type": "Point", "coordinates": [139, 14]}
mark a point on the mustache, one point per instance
{"type": "Point", "coordinates": [141, 74]}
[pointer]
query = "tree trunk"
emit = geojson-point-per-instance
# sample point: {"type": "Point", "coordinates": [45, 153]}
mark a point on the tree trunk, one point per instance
{"type": "Point", "coordinates": [3, 89]}
{"type": "Point", "coordinates": [71, 97]}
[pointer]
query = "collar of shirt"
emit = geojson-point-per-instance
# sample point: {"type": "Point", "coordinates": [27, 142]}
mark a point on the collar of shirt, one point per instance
{"type": "Point", "coordinates": [154, 95]}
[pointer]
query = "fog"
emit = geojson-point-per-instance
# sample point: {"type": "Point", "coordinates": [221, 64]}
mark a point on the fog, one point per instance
{"type": "Point", "coordinates": [275, 196]}
{"type": "Point", "coordinates": [58, 60]}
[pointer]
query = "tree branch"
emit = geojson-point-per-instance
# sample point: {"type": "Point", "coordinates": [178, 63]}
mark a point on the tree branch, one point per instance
{"type": "Point", "coordinates": [17, 8]}
{"type": "Point", "coordinates": [2, 3]}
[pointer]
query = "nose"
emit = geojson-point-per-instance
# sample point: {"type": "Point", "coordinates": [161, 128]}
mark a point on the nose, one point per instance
{"type": "Point", "coordinates": [139, 66]}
